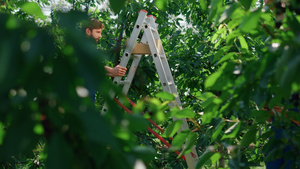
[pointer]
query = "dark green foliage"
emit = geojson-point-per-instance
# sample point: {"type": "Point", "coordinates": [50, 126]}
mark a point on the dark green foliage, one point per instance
{"type": "Point", "coordinates": [47, 73]}
{"type": "Point", "coordinates": [235, 64]}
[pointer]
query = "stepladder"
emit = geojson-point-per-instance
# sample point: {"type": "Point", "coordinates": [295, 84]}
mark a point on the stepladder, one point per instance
{"type": "Point", "coordinates": [150, 44]}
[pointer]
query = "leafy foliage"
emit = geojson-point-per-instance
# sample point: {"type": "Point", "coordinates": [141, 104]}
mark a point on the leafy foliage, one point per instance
{"type": "Point", "coordinates": [235, 64]}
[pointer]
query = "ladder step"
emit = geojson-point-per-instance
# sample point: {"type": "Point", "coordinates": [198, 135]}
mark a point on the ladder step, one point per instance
{"type": "Point", "coordinates": [153, 30]}
{"type": "Point", "coordinates": [124, 82]}
{"type": "Point", "coordinates": [160, 56]}
{"type": "Point", "coordinates": [167, 83]}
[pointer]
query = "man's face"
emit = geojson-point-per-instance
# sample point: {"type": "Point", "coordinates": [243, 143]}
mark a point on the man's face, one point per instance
{"type": "Point", "coordinates": [95, 33]}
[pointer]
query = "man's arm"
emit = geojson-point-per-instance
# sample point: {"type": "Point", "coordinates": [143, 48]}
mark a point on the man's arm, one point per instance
{"type": "Point", "coordinates": [116, 71]}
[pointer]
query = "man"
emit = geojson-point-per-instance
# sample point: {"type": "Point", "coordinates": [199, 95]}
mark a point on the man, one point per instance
{"type": "Point", "coordinates": [94, 30]}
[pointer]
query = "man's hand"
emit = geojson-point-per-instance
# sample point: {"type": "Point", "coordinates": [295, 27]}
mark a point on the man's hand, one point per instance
{"type": "Point", "coordinates": [116, 71]}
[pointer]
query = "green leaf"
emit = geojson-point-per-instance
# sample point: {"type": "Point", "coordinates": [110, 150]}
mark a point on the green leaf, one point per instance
{"type": "Point", "coordinates": [266, 135]}
{"type": "Point", "coordinates": [232, 131]}
{"type": "Point", "coordinates": [218, 131]}
{"type": "Point", "coordinates": [294, 116]}
{"type": "Point", "coordinates": [38, 129]}
{"type": "Point", "coordinates": [246, 4]}
{"type": "Point", "coordinates": [186, 137]}
{"type": "Point", "coordinates": [215, 158]}
{"type": "Point", "coordinates": [172, 112]}
{"type": "Point", "coordinates": [185, 113]}
{"type": "Point", "coordinates": [180, 139]}
{"type": "Point", "coordinates": [218, 43]}
{"type": "Point", "coordinates": [2, 132]}
{"type": "Point", "coordinates": [204, 158]}
{"type": "Point", "coordinates": [261, 116]}
{"type": "Point", "coordinates": [231, 37]}
{"type": "Point", "coordinates": [215, 7]}
{"type": "Point", "coordinates": [12, 23]}
{"type": "Point", "coordinates": [161, 4]}
{"type": "Point", "coordinates": [159, 116]}
{"type": "Point", "coordinates": [68, 50]}
{"type": "Point", "coordinates": [249, 137]}
{"type": "Point", "coordinates": [139, 107]}
{"type": "Point", "coordinates": [295, 87]}
{"type": "Point", "coordinates": [32, 8]}
{"type": "Point", "coordinates": [214, 37]}
{"type": "Point", "coordinates": [165, 96]}
{"type": "Point", "coordinates": [209, 115]}
{"type": "Point", "coordinates": [212, 79]}
{"type": "Point", "coordinates": [243, 42]}
{"type": "Point", "coordinates": [274, 153]}
{"type": "Point", "coordinates": [236, 18]}
{"type": "Point", "coordinates": [228, 12]}
{"type": "Point", "coordinates": [206, 95]}
{"type": "Point", "coordinates": [293, 21]}
{"type": "Point", "coordinates": [191, 141]}
{"type": "Point", "coordinates": [250, 21]}
{"type": "Point", "coordinates": [117, 5]}
{"type": "Point", "coordinates": [226, 57]}
{"type": "Point", "coordinates": [154, 104]}
{"type": "Point", "coordinates": [172, 128]}
{"type": "Point", "coordinates": [288, 74]}
{"type": "Point", "coordinates": [203, 5]}
{"type": "Point", "coordinates": [137, 122]}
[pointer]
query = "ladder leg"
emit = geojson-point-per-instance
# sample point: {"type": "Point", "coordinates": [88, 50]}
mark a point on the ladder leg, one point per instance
{"type": "Point", "coordinates": [132, 40]}
{"type": "Point", "coordinates": [131, 73]}
{"type": "Point", "coordinates": [132, 69]}
{"type": "Point", "coordinates": [168, 85]}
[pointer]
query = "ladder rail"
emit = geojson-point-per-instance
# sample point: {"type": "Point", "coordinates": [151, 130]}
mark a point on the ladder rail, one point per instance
{"type": "Point", "coordinates": [133, 69]}
{"type": "Point", "coordinates": [157, 61]}
{"type": "Point", "coordinates": [132, 40]}
{"type": "Point", "coordinates": [127, 53]}
{"type": "Point", "coordinates": [166, 77]}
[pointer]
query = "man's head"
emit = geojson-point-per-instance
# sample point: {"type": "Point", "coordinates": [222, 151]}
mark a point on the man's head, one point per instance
{"type": "Point", "coordinates": [94, 29]}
